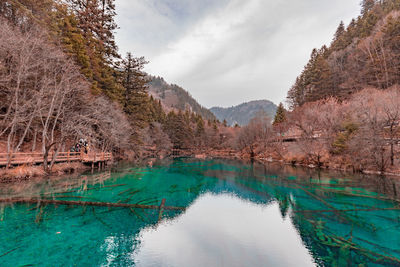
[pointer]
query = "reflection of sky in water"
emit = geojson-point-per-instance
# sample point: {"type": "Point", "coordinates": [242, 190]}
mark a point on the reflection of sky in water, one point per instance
{"type": "Point", "coordinates": [234, 217]}
{"type": "Point", "coordinates": [223, 230]}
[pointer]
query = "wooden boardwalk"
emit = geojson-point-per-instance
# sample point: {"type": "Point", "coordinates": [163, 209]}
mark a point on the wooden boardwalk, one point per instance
{"type": "Point", "coordinates": [38, 158]}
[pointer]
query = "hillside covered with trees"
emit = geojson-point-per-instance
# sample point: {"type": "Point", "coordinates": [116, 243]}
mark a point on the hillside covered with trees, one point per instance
{"type": "Point", "coordinates": [344, 109]}
{"type": "Point", "coordinates": [174, 97]}
{"type": "Point", "coordinates": [243, 113]}
{"type": "Point", "coordinates": [62, 79]}
{"type": "Point", "coordinates": [363, 54]}
{"type": "Point", "coordinates": [345, 105]}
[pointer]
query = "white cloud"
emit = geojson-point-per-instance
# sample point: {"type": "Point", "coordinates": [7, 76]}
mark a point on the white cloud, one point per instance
{"type": "Point", "coordinates": [229, 51]}
{"type": "Point", "coordinates": [211, 34]}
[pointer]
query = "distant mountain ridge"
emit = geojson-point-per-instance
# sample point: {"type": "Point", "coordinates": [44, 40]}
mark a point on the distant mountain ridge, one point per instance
{"type": "Point", "coordinates": [243, 113]}
{"type": "Point", "coordinates": [175, 97]}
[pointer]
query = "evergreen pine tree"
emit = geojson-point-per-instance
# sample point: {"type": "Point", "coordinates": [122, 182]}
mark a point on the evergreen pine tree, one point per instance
{"type": "Point", "coordinates": [280, 115]}
{"type": "Point", "coordinates": [366, 6]}
{"type": "Point", "coordinates": [137, 103]}
{"type": "Point", "coordinates": [179, 130]}
{"type": "Point", "coordinates": [95, 20]}
{"type": "Point", "coordinates": [215, 126]}
{"type": "Point", "coordinates": [338, 39]}
{"type": "Point", "coordinates": [200, 127]}
{"type": "Point", "coordinates": [339, 31]}
{"type": "Point", "coordinates": [75, 43]}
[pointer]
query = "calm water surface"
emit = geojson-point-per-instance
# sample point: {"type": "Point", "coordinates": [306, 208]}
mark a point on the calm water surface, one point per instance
{"type": "Point", "coordinates": [233, 214]}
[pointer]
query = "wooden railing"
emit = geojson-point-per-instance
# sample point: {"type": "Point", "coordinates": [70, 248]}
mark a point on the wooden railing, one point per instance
{"type": "Point", "coordinates": [20, 158]}
{"type": "Point", "coordinates": [96, 157]}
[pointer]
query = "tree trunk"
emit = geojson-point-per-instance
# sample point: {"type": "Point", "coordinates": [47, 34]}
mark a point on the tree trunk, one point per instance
{"type": "Point", "coordinates": [252, 154]}
{"type": "Point", "coordinates": [10, 140]}
{"type": "Point", "coordinates": [53, 159]}
{"type": "Point", "coordinates": [34, 140]}
{"type": "Point", "coordinates": [46, 157]}
{"type": "Point", "coordinates": [392, 153]}
{"type": "Point", "coordinates": [383, 161]}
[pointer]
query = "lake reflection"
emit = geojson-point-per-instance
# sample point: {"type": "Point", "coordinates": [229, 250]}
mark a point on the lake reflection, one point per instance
{"type": "Point", "coordinates": [218, 213]}
{"type": "Point", "coordinates": [224, 230]}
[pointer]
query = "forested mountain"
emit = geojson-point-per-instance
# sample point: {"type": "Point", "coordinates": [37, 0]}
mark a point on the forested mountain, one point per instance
{"type": "Point", "coordinates": [242, 114]}
{"type": "Point", "coordinates": [58, 81]}
{"type": "Point", "coordinates": [345, 105]}
{"type": "Point", "coordinates": [62, 79]}
{"type": "Point", "coordinates": [173, 96]}
{"type": "Point", "coordinates": [365, 53]}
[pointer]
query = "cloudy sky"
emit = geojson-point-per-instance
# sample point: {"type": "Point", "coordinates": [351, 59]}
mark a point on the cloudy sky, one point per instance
{"type": "Point", "coordinates": [226, 52]}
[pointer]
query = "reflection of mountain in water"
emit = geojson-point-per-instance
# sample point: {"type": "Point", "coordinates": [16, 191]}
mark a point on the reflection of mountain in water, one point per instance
{"type": "Point", "coordinates": [350, 219]}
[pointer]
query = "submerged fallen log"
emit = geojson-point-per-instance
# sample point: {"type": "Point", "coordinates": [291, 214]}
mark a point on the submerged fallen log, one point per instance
{"type": "Point", "coordinates": [346, 210]}
{"type": "Point", "coordinates": [86, 203]}
{"type": "Point", "coordinates": [162, 207]}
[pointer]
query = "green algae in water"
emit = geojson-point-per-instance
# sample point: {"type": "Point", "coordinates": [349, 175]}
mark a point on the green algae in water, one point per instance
{"type": "Point", "coordinates": [235, 214]}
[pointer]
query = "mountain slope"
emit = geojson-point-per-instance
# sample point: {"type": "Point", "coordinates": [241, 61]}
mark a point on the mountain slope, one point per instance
{"type": "Point", "coordinates": [242, 114]}
{"type": "Point", "coordinates": [173, 96]}
{"type": "Point", "coordinates": [363, 54]}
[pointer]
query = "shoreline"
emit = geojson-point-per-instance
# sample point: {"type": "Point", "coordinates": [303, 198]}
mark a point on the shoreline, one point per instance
{"type": "Point", "coordinates": [242, 156]}
{"type": "Point", "coordinates": [25, 173]}
{"type": "Point", "coordinates": [314, 167]}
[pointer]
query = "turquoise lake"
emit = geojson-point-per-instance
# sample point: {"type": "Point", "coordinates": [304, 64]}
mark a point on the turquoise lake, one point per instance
{"type": "Point", "coordinates": [226, 213]}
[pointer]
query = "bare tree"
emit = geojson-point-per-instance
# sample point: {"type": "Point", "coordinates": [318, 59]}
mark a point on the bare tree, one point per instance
{"type": "Point", "coordinates": [369, 146]}
{"type": "Point", "coordinates": [43, 94]}
{"type": "Point", "coordinates": [318, 124]}
{"type": "Point", "coordinates": [257, 132]}
{"type": "Point", "coordinates": [391, 108]}
{"type": "Point", "coordinates": [153, 135]}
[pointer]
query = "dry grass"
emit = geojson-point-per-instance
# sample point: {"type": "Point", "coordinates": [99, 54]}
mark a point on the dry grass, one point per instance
{"type": "Point", "coordinates": [21, 173]}
{"type": "Point", "coordinates": [62, 168]}
{"type": "Point", "coordinates": [25, 172]}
